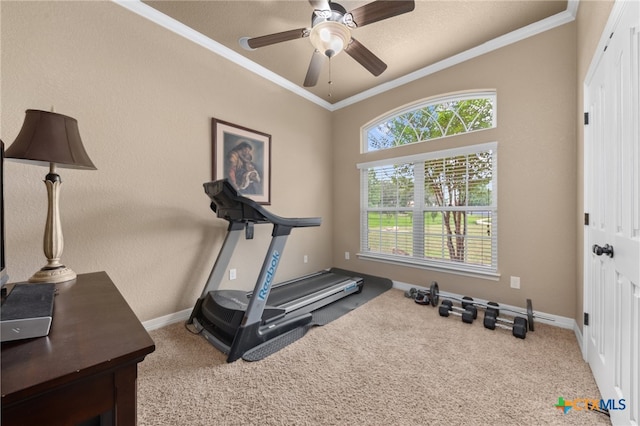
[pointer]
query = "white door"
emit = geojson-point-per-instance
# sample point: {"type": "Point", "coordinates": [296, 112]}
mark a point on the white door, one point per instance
{"type": "Point", "coordinates": [612, 235]}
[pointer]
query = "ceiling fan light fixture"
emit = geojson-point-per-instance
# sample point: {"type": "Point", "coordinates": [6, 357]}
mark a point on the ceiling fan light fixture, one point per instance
{"type": "Point", "coordinates": [330, 37]}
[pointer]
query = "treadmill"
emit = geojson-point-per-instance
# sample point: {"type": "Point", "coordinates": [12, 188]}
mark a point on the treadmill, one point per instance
{"type": "Point", "coordinates": [235, 321]}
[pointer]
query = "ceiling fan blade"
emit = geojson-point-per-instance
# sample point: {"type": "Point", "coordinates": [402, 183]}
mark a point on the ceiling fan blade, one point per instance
{"type": "Point", "coordinates": [267, 40]}
{"type": "Point", "coordinates": [320, 4]}
{"type": "Point", "coordinates": [364, 56]}
{"type": "Point", "coordinates": [379, 10]}
{"type": "Point", "coordinates": [314, 69]}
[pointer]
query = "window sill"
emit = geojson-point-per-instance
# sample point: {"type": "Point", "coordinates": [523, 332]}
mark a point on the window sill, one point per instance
{"type": "Point", "coordinates": [469, 272]}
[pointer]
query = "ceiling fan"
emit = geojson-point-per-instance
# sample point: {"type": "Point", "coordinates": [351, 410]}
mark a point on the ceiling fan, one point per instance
{"type": "Point", "coordinates": [330, 33]}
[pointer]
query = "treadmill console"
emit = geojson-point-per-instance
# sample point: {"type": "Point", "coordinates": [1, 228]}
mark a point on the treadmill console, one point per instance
{"type": "Point", "coordinates": [231, 206]}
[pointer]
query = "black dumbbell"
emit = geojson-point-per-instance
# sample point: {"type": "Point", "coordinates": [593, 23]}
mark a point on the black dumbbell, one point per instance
{"type": "Point", "coordinates": [530, 314]}
{"type": "Point", "coordinates": [467, 304]}
{"type": "Point", "coordinates": [419, 296]}
{"type": "Point", "coordinates": [518, 326]}
{"type": "Point", "coordinates": [494, 308]}
{"type": "Point", "coordinates": [422, 297]}
{"type": "Point", "coordinates": [468, 314]}
{"type": "Point", "coordinates": [425, 297]}
{"type": "Point", "coordinates": [519, 329]}
{"type": "Point", "coordinates": [468, 301]}
{"type": "Point", "coordinates": [412, 293]}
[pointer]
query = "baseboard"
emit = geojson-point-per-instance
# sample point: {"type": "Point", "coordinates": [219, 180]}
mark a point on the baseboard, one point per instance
{"type": "Point", "coordinates": [541, 317]}
{"type": "Point", "coordinates": [555, 320]}
{"type": "Point", "coordinates": [578, 331]}
{"type": "Point", "coordinates": [156, 323]}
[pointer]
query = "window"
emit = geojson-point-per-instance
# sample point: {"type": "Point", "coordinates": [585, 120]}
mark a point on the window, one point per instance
{"type": "Point", "coordinates": [436, 119]}
{"type": "Point", "coordinates": [435, 209]}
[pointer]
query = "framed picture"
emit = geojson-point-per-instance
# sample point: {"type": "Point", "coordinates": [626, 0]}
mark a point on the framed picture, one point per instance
{"type": "Point", "coordinates": [243, 156]}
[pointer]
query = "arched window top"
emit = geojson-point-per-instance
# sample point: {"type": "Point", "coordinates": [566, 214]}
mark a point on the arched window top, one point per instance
{"type": "Point", "coordinates": [432, 119]}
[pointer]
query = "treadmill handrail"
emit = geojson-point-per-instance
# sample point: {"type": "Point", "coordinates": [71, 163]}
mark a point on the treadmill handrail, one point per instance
{"type": "Point", "coordinates": [233, 207]}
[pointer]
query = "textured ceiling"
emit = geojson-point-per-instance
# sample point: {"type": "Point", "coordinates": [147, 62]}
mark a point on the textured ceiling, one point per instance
{"type": "Point", "coordinates": [432, 32]}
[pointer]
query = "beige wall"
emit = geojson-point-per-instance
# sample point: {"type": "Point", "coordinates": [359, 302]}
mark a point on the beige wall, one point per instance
{"type": "Point", "coordinates": [591, 19]}
{"type": "Point", "coordinates": [143, 98]}
{"type": "Point", "coordinates": [536, 88]}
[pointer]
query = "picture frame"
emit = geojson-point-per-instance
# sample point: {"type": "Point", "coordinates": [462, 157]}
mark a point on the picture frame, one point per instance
{"type": "Point", "coordinates": [243, 156]}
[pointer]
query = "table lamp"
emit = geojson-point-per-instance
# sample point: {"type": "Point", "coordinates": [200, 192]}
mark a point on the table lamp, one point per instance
{"type": "Point", "coordinates": [53, 140]}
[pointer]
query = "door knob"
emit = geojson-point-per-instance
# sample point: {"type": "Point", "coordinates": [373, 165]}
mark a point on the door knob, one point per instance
{"type": "Point", "coordinates": [599, 251]}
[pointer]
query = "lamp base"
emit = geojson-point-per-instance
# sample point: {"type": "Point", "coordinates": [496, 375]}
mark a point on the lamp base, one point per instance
{"type": "Point", "coordinates": [53, 275]}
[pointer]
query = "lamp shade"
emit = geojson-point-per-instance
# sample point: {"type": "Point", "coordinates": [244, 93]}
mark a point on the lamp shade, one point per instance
{"type": "Point", "coordinates": [48, 137]}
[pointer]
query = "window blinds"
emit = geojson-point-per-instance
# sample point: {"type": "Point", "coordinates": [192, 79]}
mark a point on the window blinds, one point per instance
{"type": "Point", "coordinates": [432, 209]}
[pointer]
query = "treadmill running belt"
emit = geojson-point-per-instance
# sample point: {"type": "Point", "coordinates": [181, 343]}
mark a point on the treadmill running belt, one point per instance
{"type": "Point", "coordinates": [298, 289]}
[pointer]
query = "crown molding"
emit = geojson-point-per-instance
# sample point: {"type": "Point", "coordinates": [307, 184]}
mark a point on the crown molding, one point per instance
{"type": "Point", "coordinates": [153, 15]}
{"type": "Point", "coordinates": [141, 9]}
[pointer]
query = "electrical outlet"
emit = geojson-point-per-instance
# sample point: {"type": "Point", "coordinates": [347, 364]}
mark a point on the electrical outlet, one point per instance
{"type": "Point", "coordinates": [515, 282]}
{"type": "Point", "coordinates": [346, 255]}
{"type": "Point", "coordinates": [232, 274]}
{"type": "Point", "coordinates": [306, 258]}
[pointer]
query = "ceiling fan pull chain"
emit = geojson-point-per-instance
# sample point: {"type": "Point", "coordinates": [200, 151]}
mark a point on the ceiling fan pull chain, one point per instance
{"type": "Point", "coordinates": [330, 82]}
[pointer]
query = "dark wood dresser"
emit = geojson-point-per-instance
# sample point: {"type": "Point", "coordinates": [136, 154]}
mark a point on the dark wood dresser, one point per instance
{"type": "Point", "coordinates": [84, 372]}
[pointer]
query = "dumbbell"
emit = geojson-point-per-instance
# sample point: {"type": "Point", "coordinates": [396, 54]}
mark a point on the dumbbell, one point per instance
{"type": "Point", "coordinates": [467, 304]}
{"type": "Point", "coordinates": [422, 297]}
{"type": "Point", "coordinates": [518, 326]}
{"type": "Point", "coordinates": [468, 301]}
{"type": "Point", "coordinates": [425, 297]}
{"type": "Point", "coordinates": [529, 313]}
{"type": "Point", "coordinates": [468, 314]}
{"type": "Point", "coordinates": [412, 293]}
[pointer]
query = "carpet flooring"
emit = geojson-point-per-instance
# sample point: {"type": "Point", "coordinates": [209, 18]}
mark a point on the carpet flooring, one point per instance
{"type": "Point", "coordinates": [388, 362]}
